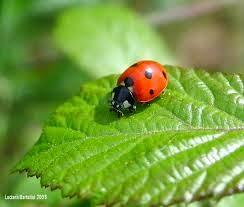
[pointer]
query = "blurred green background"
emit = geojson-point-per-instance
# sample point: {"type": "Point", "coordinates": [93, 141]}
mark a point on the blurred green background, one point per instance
{"type": "Point", "coordinates": [49, 48]}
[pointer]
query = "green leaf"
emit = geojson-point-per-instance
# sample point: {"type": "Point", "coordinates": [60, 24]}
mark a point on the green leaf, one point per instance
{"type": "Point", "coordinates": [105, 39]}
{"type": "Point", "coordinates": [235, 201]}
{"type": "Point", "coordinates": [187, 145]}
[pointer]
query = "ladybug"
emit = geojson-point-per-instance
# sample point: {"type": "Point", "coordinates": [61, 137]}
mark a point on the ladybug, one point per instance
{"type": "Point", "coordinates": [142, 82]}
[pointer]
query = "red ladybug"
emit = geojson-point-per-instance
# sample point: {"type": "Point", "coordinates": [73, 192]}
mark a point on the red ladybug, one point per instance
{"type": "Point", "coordinates": [141, 82]}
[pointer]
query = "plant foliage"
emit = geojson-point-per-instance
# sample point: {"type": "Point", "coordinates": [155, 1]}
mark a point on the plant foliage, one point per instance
{"type": "Point", "coordinates": [187, 145]}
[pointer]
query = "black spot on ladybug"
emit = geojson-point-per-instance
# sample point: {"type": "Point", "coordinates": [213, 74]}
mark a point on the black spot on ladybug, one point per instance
{"type": "Point", "coordinates": [148, 74]}
{"type": "Point", "coordinates": [151, 91]}
{"type": "Point", "coordinates": [128, 82]}
{"type": "Point", "coordinates": [164, 74]}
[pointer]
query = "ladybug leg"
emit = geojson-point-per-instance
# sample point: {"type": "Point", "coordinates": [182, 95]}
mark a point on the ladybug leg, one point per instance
{"type": "Point", "coordinates": [132, 108]}
{"type": "Point", "coordinates": [120, 114]}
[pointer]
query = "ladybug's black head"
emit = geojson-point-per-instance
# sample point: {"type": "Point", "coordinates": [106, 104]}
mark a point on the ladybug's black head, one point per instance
{"type": "Point", "coordinates": [122, 97]}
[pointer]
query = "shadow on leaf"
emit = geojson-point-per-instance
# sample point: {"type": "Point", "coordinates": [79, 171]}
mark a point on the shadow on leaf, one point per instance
{"type": "Point", "coordinates": [104, 116]}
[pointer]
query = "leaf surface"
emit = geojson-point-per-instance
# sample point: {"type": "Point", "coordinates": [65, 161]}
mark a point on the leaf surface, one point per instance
{"type": "Point", "coordinates": [103, 40]}
{"type": "Point", "coordinates": [187, 145]}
